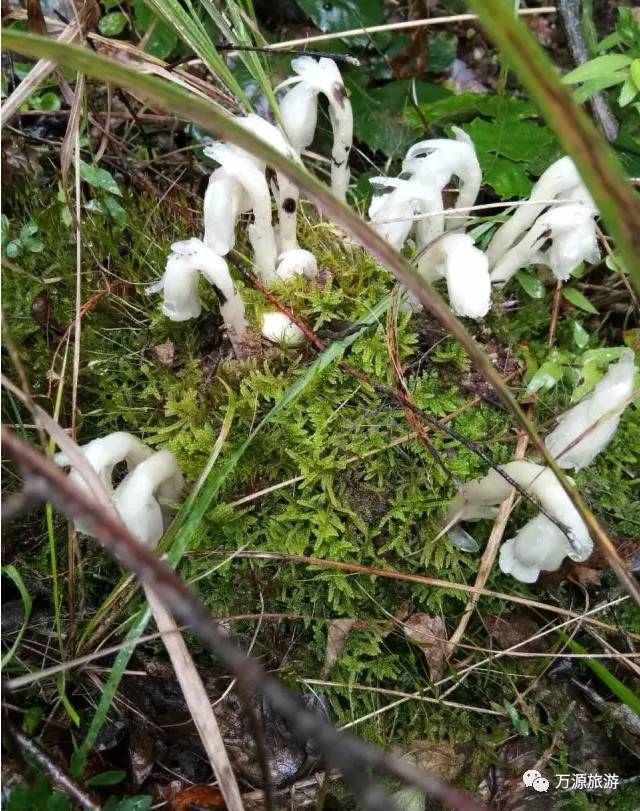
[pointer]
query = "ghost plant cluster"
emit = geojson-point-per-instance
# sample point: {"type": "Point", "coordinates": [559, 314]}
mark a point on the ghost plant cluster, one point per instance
{"type": "Point", "coordinates": [555, 227]}
{"type": "Point", "coordinates": [152, 480]}
{"type": "Point", "coordinates": [581, 434]}
{"type": "Point", "coordinates": [239, 188]}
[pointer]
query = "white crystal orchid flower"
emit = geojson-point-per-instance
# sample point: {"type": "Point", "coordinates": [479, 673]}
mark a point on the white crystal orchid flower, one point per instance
{"type": "Point", "coordinates": [407, 199]}
{"type": "Point", "coordinates": [296, 262]}
{"type": "Point", "coordinates": [299, 111]}
{"type": "Point", "coordinates": [586, 429]}
{"type": "Point", "coordinates": [455, 258]}
{"type": "Point", "coordinates": [179, 284]}
{"type": "Point", "coordinates": [436, 161]}
{"type": "Point", "coordinates": [571, 229]}
{"type": "Point", "coordinates": [137, 496]}
{"type": "Point", "coordinates": [254, 184]}
{"type": "Point", "coordinates": [540, 544]}
{"type": "Point", "coordinates": [560, 181]}
{"type": "Point", "coordinates": [279, 329]}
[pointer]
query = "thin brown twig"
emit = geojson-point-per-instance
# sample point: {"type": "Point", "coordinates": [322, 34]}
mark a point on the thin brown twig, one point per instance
{"type": "Point", "coordinates": [490, 553]}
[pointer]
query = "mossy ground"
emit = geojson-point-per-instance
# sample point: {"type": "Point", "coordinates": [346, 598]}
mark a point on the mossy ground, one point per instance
{"type": "Point", "coordinates": [384, 510]}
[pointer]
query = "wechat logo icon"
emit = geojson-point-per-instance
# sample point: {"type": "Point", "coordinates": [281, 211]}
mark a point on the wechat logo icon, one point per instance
{"type": "Point", "coordinates": [533, 779]}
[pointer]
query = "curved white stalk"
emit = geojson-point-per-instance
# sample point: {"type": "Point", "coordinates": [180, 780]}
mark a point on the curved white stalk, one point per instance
{"type": "Point", "coordinates": [435, 161]}
{"type": "Point", "coordinates": [224, 201]}
{"type": "Point", "coordinates": [296, 262]}
{"type": "Point", "coordinates": [455, 258]}
{"type": "Point", "coordinates": [103, 454]}
{"type": "Point", "coordinates": [181, 301]}
{"type": "Point", "coordinates": [408, 198]}
{"type": "Point", "coordinates": [135, 496]}
{"type": "Point", "coordinates": [592, 423]}
{"type": "Point", "coordinates": [299, 111]}
{"type": "Point", "coordinates": [253, 181]}
{"type": "Point", "coordinates": [560, 181]}
{"type": "Point", "coordinates": [572, 231]}
{"type": "Point", "coordinates": [540, 544]}
{"type": "Point", "coordinates": [279, 329]}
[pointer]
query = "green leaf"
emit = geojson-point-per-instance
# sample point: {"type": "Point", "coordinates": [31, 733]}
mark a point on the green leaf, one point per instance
{"type": "Point", "coordinates": [163, 42]}
{"type": "Point", "coordinates": [33, 245]}
{"type": "Point", "coordinates": [115, 210]}
{"type": "Point", "coordinates": [634, 72]}
{"type": "Point", "coordinates": [597, 68]}
{"type": "Point", "coordinates": [531, 285]}
{"type": "Point", "coordinates": [588, 89]}
{"type": "Point", "coordinates": [341, 15]}
{"type": "Point", "coordinates": [13, 574]}
{"type": "Point", "coordinates": [463, 106]}
{"type": "Point", "coordinates": [31, 720]}
{"type": "Point", "coordinates": [507, 178]}
{"type": "Point", "coordinates": [13, 249]}
{"type": "Point", "coordinates": [113, 24]}
{"type": "Point", "coordinates": [546, 377]}
{"type": "Point", "coordinates": [442, 52]}
{"type": "Point", "coordinates": [579, 300]}
{"type": "Point", "coordinates": [28, 230]}
{"type": "Point", "coordinates": [521, 725]}
{"type": "Point", "coordinates": [99, 178]}
{"type": "Point", "coordinates": [628, 92]}
{"type": "Point", "coordinates": [580, 335]}
{"type": "Point", "coordinates": [107, 778]}
{"type": "Point", "coordinates": [46, 102]}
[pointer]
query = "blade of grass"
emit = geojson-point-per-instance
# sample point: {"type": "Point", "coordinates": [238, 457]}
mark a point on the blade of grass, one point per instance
{"type": "Point", "coordinates": [627, 696]}
{"type": "Point", "coordinates": [192, 32]}
{"type": "Point", "coordinates": [14, 574]}
{"type": "Point", "coordinates": [618, 203]}
{"type": "Point", "coordinates": [212, 119]}
{"type": "Point", "coordinates": [180, 533]}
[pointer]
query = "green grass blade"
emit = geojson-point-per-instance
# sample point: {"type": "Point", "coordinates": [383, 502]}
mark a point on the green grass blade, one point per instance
{"type": "Point", "coordinates": [618, 203]}
{"type": "Point", "coordinates": [178, 539]}
{"type": "Point", "coordinates": [12, 573]}
{"type": "Point", "coordinates": [192, 32]}
{"type": "Point", "coordinates": [627, 696]}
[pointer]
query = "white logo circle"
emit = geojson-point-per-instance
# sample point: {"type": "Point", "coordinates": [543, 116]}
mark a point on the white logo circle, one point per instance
{"type": "Point", "coordinates": [529, 776]}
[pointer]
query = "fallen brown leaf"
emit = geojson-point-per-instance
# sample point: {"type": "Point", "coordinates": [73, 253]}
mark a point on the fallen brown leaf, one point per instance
{"type": "Point", "coordinates": [512, 629]}
{"type": "Point", "coordinates": [431, 634]}
{"type": "Point", "coordinates": [337, 634]}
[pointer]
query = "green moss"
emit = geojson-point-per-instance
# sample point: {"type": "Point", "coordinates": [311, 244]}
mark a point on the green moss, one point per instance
{"type": "Point", "coordinates": [385, 510]}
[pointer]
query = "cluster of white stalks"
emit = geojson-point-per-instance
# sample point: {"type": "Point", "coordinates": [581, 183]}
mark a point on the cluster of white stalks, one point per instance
{"type": "Point", "coordinates": [153, 481]}
{"type": "Point", "coordinates": [581, 434]}
{"type": "Point", "coordinates": [555, 228]}
{"type": "Point", "coordinates": [239, 188]}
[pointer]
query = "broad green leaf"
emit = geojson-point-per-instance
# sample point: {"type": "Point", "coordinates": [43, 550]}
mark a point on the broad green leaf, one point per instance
{"type": "Point", "coordinates": [13, 249]}
{"type": "Point", "coordinates": [341, 15]}
{"type": "Point", "coordinates": [628, 92]}
{"type": "Point", "coordinates": [546, 377]}
{"type": "Point", "coordinates": [442, 52]}
{"type": "Point", "coordinates": [99, 178]}
{"type": "Point", "coordinates": [33, 244]}
{"type": "Point", "coordinates": [47, 102]}
{"type": "Point", "coordinates": [522, 141]}
{"type": "Point", "coordinates": [580, 335]}
{"type": "Point", "coordinates": [115, 210]}
{"type": "Point", "coordinates": [634, 72]}
{"type": "Point", "coordinates": [28, 230]}
{"type": "Point", "coordinates": [507, 178]}
{"type": "Point", "coordinates": [588, 89]}
{"type": "Point", "coordinates": [577, 134]}
{"type": "Point", "coordinates": [531, 284]}
{"type": "Point", "coordinates": [579, 300]}
{"type": "Point", "coordinates": [113, 24]}
{"type": "Point", "coordinates": [107, 778]}
{"type": "Point", "coordinates": [13, 574]}
{"type": "Point", "coordinates": [598, 68]}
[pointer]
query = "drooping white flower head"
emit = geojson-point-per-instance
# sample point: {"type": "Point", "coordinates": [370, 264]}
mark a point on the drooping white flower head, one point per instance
{"type": "Point", "coordinates": [592, 423]}
{"type": "Point", "coordinates": [455, 258]}
{"type": "Point", "coordinates": [136, 497]}
{"type": "Point", "coordinates": [296, 262]}
{"type": "Point", "coordinates": [540, 544]}
{"type": "Point", "coordinates": [224, 201]}
{"type": "Point", "coordinates": [254, 183]}
{"type": "Point", "coordinates": [187, 260]}
{"type": "Point", "coordinates": [299, 111]}
{"type": "Point", "coordinates": [434, 162]}
{"type": "Point", "coordinates": [150, 474]}
{"type": "Point", "coordinates": [279, 329]}
{"type": "Point", "coordinates": [561, 181]}
{"type": "Point", "coordinates": [407, 198]}
{"type": "Point", "coordinates": [571, 229]}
